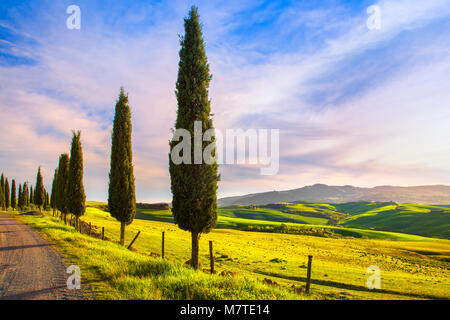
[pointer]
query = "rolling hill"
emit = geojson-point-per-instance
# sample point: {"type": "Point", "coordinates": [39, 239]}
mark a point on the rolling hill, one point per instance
{"type": "Point", "coordinates": [432, 195]}
{"type": "Point", "coordinates": [407, 218]}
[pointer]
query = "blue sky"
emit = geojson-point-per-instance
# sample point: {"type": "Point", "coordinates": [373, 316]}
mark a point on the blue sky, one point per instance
{"type": "Point", "coordinates": [353, 105]}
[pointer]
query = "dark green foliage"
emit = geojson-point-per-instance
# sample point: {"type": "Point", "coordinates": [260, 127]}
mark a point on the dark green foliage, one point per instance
{"type": "Point", "coordinates": [121, 192]}
{"type": "Point", "coordinates": [61, 185]}
{"type": "Point", "coordinates": [20, 198]}
{"type": "Point", "coordinates": [305, 230]}
{"type": "Point", "coordinates": [47, 201]}
{"type": "Point", "coordinates": [2, 192]}
{"type": "Point", "coordinates": [76, 198]}
{"type": "Point", "coordinates": [31, 194]}
{"type": "Point", "coordinates": [13, 195]}
{"type": "Point", "coordinates": [53, 192]}
{"type": "Point", "coordinates": [7, 195]}
{"type": "Point", "coordinates": [26, 196]}
{"type": "Point", "coordinates": [39, 194]}
{"type": "Point", "coordinates": [193, 186]}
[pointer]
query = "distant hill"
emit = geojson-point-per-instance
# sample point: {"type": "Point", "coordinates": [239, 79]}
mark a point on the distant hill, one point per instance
{"type": "Point", "coordinates": [437, 195]}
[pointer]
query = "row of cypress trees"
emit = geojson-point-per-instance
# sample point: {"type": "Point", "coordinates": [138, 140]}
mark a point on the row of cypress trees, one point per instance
{"type": "Point", "coordinates": [193, 186]}
{"type": "Point", "coordinates": [67, 194]}
{"type": "Point", "coordinates": [25, 196]}
{"type": "Point", "coordinates": [5, 196]}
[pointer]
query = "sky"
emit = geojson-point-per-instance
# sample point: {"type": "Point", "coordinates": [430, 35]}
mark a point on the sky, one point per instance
{"type": "Point", "coordinates": [354, 105]}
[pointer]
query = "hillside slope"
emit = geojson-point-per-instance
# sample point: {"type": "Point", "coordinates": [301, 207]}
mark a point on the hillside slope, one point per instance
{"type": "Point", "coordinates": [407, 218]}
{"type": "Point", "coordinates": [436, 195]}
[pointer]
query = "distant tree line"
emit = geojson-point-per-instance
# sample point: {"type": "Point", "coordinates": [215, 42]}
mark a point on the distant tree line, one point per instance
{"type": "Point", "coordinates": [25, 197]}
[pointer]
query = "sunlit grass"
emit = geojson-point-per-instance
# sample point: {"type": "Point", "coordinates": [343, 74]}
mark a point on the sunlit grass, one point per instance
{"type": "Point", "coordinates": [412, 267]}
{"type": "Point", "coordinates": [114, 272]}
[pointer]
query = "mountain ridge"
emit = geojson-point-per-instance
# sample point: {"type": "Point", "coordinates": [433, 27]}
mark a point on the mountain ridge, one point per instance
{"type": "Point", "coordinates": [425, 194]}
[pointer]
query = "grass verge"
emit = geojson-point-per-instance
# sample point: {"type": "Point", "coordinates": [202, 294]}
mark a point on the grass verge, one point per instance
{"type": "Point", "coordinates": [114, 272]}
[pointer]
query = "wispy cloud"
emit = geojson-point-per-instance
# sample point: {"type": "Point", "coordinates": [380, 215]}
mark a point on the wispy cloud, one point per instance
{"type": "Point", "coordinates": [355, 106]}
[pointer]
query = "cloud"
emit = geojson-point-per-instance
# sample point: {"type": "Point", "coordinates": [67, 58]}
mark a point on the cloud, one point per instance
{"type": "Point", "coordinates": [354, 106]}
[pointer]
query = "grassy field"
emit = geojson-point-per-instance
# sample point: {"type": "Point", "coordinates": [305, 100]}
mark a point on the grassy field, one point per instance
{"type": "Point", "coordinates": [428, 221]}
{"type": "Point", "coordinates": [114, 272]}
{"type": "Point", "coordinates": [411, 268]}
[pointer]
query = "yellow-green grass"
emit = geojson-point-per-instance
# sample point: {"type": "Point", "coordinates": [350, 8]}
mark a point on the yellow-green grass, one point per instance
{"type": "Point", "coordinates": [113, 272]}
{"type": "Point", "coordinates": [409, 269]}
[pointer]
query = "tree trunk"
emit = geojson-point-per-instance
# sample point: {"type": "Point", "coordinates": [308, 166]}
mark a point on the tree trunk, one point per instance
{"type": "Point", "coordinates": [122, 233]}
{"type": "Point", "coordinates": [194, 258]}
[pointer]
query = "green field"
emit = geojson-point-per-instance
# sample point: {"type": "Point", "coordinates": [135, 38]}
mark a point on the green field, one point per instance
{"type": "Point", "coordinates": [412, 267]}
{"type": "Point", "coordinates": [415, 219]}
{"type": "Point", "coordinates": [409, 218]}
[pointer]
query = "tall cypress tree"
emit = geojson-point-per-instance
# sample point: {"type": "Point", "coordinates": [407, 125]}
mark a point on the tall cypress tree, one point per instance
{"type": "Point", "coordinates": [20, 199]}
{"type": "Point", "coordinates": [121, 192]}
{"type": "Point", "coordinates": [26, 196]}
{"type": "Point", "coordinates": [76, 198]}
{"type": "Point", "coordinates": [2, 192]}
{"type": "Point", "coordinates": [194, 186]}
{"type": "Point", "coordinates": [61, 186]}
{"type": "Point", "coordinates": [13, 195]}
{"type": "Point", "coordinates": [32, 193]}
{"type": "Point", "coordinates": [7, 195]}
{"type": "Point", "coordinates": [39, 193]}
{"type": "Point", "coordinates": [53, 192]}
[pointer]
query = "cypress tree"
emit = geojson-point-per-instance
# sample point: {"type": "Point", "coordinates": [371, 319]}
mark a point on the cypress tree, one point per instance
{"type": "Point", "coordinates": [2, 192]}
{"type": "Point", "coordinates": [26, 198]}
{"type": "Point", "coordinates": [32, 194]}
{"type": "Point", "coordinates": [121, 190]}
{"type": "Point", "coordinates": [61, 186]}
{"type": "Point", "coordinates": [39, 193]}
{"type": "Point", "coordinates": [193, 186]}
{"type": "Point", "coordinates": [2, 198]}
{"type": "Point", "coordinates": [7, 195]}
{"type": "Point", "coordinates": [76, 198]}
{"type": "Point", "coordinates": [53, 192]}
{"type": "Point", "coordinates": [13, 195]}
{"type": "Point", "coordinates": [20, 199]}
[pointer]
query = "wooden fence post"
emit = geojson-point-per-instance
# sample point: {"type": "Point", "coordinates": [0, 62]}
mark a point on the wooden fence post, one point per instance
{"type": "Point", "coordinates": [211, 256]}
{"type": "Point", "coordinates": [308, 275]}
{"type": "Point", "coordinates": [134, 240]}
{"type": "Point", "coordinates": [90, 227]}
{"type": "Point", "coordinates": [103, 233]}
{"type": "Point", "coordinates": [162, 246]}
